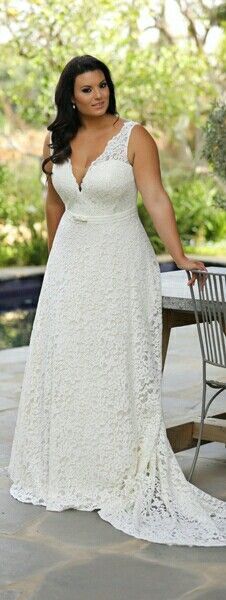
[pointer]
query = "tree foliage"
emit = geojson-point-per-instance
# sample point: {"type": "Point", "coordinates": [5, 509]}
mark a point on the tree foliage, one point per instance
{"type": "Point", "coordinates": [167, 81]}
{"type": "Point", "coordinates": [215, 139]}
{"type": "Point", "coordinates": [156, 83]}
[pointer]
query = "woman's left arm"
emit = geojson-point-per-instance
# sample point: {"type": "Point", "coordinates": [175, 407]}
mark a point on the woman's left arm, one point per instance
{"type": "Point", "coordinates": [146, 168]}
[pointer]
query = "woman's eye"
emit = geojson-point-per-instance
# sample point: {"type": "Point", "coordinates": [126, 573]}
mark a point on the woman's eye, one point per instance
{"type": "Point", "coordinates": [101, 85]}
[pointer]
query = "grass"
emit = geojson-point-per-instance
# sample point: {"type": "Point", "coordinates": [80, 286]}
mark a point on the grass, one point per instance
{"type": "Point", "coordinates": [208, 249]}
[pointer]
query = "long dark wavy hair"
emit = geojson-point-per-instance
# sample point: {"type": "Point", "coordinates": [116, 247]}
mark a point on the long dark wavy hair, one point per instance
{"type": "Point", "coordinates": [67, 121]}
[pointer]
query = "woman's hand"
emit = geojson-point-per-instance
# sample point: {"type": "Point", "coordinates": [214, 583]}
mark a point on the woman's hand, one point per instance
{"type": "Point", "coordinates": [188, 264]}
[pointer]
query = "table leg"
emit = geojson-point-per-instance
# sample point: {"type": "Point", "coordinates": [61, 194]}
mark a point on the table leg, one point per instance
{"type": "Point", "coordinates": [166, 328]}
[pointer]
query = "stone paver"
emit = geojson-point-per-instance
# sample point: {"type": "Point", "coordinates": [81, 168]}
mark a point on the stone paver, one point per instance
{"type": "Point", "coordinates": [74, 555]}
{"type": "Point", "coordinates": [117, 577]}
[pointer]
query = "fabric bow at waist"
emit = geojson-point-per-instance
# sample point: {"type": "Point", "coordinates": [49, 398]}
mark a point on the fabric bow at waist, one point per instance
{"type": "Point", "coordinates": [104, 217]}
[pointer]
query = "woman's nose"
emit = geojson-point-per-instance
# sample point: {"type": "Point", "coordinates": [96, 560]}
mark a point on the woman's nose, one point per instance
{"type": "Point", "coordinates": [97, 94]}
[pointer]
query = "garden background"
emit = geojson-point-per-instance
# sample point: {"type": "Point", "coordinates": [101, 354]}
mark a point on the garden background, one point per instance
{"type": "Point", "coordinates": [167, 60]}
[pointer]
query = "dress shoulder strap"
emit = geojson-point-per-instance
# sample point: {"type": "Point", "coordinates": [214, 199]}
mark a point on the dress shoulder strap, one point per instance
{"type": "Point", "coordinates": [128, 128]}
{"type": "Point", "coordinates": [117, 149]}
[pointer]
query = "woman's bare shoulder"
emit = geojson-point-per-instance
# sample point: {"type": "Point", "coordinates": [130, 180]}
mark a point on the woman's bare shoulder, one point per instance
{"type": "Point", "coordinates": [141, 136]}
{"type": "Point", "coordinates": [141, 143]}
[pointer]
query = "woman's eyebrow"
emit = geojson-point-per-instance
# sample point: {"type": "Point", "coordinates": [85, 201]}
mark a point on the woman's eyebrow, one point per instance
{"type": "Point", "coordinates": [87, 85]}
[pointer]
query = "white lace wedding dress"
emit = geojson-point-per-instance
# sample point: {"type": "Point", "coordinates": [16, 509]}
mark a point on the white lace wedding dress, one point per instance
{"type": "Point", "coordinates": [90, 432]}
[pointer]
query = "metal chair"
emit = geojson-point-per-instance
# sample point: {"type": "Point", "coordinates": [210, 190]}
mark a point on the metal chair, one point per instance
{"type": "Point", "coordinates": [210, 315]}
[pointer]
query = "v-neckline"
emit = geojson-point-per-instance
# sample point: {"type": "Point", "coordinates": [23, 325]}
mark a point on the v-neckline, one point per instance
{"type": "Point", "coordinates": [79, 185]}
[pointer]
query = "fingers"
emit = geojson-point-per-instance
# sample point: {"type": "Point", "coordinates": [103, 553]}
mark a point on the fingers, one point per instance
{"type": "Point", "coordinates": [203, 277]}
{"type": "Point", "coordinates": [192, 280]}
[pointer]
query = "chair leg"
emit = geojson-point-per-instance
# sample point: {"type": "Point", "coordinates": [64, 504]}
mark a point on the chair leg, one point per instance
{"type": "Point", "coordinates": [201, 425]}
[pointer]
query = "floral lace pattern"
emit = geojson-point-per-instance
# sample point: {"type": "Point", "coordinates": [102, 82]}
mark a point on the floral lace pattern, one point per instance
{"type": "Point", "coordinates": [108, 185]}
{"type": "Point", "coordinates": [90, 432]}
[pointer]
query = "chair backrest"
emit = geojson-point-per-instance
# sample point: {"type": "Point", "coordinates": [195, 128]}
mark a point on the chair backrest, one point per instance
{"type": "Point", "coordinates": [210, 312]}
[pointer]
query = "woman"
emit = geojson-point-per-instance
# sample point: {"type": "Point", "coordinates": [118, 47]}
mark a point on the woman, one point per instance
{"type": "Point", "coordinates": [90, 433]}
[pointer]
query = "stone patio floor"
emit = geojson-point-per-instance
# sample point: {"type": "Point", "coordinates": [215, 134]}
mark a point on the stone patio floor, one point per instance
{"type": "Point", "coordinates": [74, 555]}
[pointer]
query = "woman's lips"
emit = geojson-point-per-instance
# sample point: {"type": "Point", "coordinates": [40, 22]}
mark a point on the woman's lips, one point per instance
{"type": "Point", "coordinates": [98, 105]}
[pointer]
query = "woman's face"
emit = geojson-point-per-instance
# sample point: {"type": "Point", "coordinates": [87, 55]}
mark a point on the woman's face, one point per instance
{"type": "Point", "coordinates": [91, 93]}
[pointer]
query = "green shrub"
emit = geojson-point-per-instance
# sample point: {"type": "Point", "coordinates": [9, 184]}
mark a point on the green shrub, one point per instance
{"type": "Point", "coordinates": [23, 235]}
{"type": "Point", "coordinates": [198, 219]}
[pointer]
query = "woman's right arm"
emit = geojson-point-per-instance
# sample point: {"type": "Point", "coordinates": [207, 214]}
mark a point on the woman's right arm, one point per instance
{"type": "Point", "coordinates": [54, 206]}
